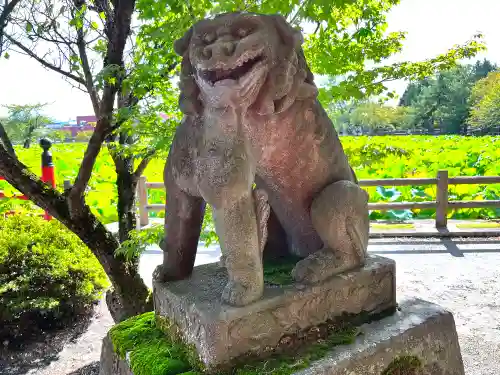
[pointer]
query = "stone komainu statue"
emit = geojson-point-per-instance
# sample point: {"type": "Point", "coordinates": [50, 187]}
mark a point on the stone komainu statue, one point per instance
{"type": "Point", "coordinates": [258, 147]}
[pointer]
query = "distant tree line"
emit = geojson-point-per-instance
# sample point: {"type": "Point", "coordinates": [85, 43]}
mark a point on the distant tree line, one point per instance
{"type": "Point", "coordinates": [462, 100]}
{"type": "Point", "coordinates": [26, 124]}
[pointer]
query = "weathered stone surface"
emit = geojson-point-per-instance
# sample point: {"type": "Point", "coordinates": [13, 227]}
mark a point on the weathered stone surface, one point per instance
{"type": "Point", "coordinates": [419, 328]}
{"type": "Point", "coordinates": [221, 332]}
{"type": "Point", "coordinates": [111, 364]}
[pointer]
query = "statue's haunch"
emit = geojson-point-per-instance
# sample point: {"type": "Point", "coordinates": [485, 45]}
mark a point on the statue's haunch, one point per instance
{"type": "Point", "coordinates": [252, 116]}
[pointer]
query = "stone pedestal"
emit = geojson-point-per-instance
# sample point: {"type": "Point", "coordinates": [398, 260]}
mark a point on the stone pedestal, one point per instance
{"type": "Point", "coordinates": [223, 333]}
{"type": "Point", "coordinates": [419, 339]}
{"type": "Point", "coordinates": [298, 321]}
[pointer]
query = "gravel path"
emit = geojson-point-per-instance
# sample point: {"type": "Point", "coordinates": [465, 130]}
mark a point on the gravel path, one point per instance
{"type": "Point", "coordinates": [459, 274]}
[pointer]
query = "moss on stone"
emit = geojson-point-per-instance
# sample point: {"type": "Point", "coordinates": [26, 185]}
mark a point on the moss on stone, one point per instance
{"type": "Point", "coordinates": [153, 347]}
{"type": "Point", "coordinates": [287, 364]}
{"type": "Point", "coordinates": [279, 271]}
{"type": "Point", "coordinates": [171, 331]}
{"type": "Point", "coordinates": [149, 350]}
{"type": "Point", "coordinates": [405, 365]}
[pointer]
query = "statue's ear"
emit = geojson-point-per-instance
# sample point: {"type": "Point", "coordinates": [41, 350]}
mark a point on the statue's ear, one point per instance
{"type": "Point", "coordinates": [182, 44]}
{"type": "Point", "coordinates": [289, 35]}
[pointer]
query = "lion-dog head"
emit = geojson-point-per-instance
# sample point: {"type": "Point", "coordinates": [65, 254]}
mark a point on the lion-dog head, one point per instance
{"type": "Point", "coordinates": [245, 60]}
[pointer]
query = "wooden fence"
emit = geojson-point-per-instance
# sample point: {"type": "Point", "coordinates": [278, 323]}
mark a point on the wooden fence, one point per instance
{"type": "Point", "coordinates": [441, 204]}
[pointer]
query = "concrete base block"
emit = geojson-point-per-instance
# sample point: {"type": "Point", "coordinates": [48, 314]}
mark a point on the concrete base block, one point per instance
{"type": "Point", "coordinates": [418, 329]}
{"type": "Point", "coordinates": [222, 333]}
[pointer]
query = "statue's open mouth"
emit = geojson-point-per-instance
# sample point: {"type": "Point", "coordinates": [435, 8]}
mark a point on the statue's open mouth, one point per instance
{"type": "Point", "coordinates": [242, 68]}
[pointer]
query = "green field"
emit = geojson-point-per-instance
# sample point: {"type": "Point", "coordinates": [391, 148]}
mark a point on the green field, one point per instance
{"type": "Point", "coordinates": [371, 157]}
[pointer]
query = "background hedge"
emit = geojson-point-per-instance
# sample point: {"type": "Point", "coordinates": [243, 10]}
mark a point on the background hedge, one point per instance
{"type": "Point", "coordinates": [47, 276]}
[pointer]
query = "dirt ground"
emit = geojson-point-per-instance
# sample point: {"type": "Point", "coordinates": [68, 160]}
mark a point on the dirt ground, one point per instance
{"type": "Point", "coordinates": [461, 275]}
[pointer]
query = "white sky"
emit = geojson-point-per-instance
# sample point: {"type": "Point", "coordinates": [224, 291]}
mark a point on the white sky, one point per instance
{"type": "Point", "coordinates": [432, 27]}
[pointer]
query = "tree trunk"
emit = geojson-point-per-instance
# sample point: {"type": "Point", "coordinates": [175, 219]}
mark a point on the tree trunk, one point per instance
{"type": "Point", "coordinates": [126, 184]}
{"type": "Point", "coordinates": [130, 293]}
{"type": "Point", "coordinates": [130, 296]}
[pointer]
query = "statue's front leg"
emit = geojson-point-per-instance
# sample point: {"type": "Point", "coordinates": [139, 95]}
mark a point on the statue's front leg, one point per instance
{"type": "Point", "coordinates": [227, 187]}
{"type": "Point", "coordinates": [183, 220]}
{"type": "Point", "coordinates": [243, 259]}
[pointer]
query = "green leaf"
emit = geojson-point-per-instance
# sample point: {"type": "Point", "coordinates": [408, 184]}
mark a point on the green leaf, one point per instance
{"type": "Point", "coordinates": [391, 194]}
{"type": "Point", "coordinates": [29, 27]}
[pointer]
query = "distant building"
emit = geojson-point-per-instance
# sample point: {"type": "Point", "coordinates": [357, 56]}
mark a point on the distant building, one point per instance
{"type": "Point", "coordinates": [83, 123]}
{"type": "Point", "coordinates": [86, 120]}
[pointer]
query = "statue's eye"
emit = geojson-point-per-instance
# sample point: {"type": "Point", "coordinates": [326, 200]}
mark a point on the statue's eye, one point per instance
{"type": "Point", "coordinates": [208, 38]}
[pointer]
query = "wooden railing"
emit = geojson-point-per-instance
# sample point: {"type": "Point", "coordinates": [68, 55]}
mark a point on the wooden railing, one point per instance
{"type": "Point", "coordinates": [441, 204]}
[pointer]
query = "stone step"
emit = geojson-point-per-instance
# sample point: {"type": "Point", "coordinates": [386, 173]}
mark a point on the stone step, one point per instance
{"type": "Point", "coordinates": [420, 338]}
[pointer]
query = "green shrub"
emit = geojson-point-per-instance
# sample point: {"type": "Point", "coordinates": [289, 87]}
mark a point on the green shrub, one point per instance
{"type": "Point", "coordinates": [47, 276]}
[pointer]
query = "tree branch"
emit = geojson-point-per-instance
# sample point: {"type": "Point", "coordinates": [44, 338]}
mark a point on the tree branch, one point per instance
{"type": "Point", "coordinates": [4, 138]}
{"type": "Point", "coordinates": [46, 64]}
{"type": "Point", "coordinates": [144, 163]}
{"type": "Point", "coordinates": [94, 97]}
{"type": "Point", "coordinates": [6, 12]}
{"type": "Point", "coordinates": [318, 25]}
{"type": "Point", "coordinates": [9, 8]}
{"type": "Point", "coordinates": [118, 27]}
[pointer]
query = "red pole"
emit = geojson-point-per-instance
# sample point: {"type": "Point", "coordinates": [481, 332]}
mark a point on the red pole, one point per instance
{"type": "Point", "coordinates": [48, 175]}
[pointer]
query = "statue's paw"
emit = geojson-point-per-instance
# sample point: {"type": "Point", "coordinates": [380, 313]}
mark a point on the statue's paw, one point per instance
{"type": "Point", "coordinates": [321, 265]}
{"type": "Point", "coordinates": [160, 274]}
{"type": "Point", "coordinates": [238, 294]}
{"type": "Point", "coordinates": [163, 274]}
{"type": "Point", "coordinates": [308, 271]}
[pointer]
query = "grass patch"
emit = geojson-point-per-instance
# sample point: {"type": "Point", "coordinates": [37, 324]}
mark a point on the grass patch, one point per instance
{"type": "Point", "coordinates": [279, 271]}
{"type": "Point", "coordinates": [406, 365]}
{"type": "Point", "coordinates": [393, 226]}
{"type": "Point", "coordinates": [478, 225]}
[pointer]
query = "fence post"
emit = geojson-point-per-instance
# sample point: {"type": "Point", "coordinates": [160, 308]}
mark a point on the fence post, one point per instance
{"type": "Point", "coordinates": [67, 185]}
{"type": "Point", "coordinates": [442, 200]}
{"type": "Point", "coordinates": [142, 193]}
{"type": "Point", "coordinates": [48, 175]}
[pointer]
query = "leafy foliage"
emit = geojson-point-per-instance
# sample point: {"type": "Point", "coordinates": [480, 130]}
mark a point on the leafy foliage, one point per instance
{"type": "Point", "coordinates": [370, 118]}
{"type": "Point", "coordinates": [25, 122]}
{"type": "Point", "coordinates": [443, 101]}
{"type": "Point", "coordinates": [46, 275]}
{"type": "Point", "coordinates": [371, 157]}
{"type": "Point", "coordinates": [423, 157]}
{"type": "Point", "coordinates": [485, 114]}
{"type": "Point", "coordinates": [345, 41]}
